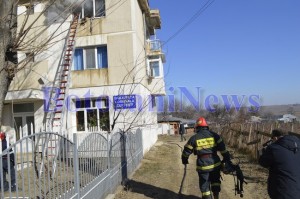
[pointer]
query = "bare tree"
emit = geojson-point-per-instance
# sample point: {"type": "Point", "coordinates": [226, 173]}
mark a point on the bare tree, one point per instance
{"type": "Point", "coordinates": [16, 37]}
{"type": "Point", "coordinates": [8, 31]}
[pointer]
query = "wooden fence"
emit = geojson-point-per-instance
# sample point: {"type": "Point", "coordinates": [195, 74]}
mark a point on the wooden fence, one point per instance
{"type": "Point", "coordinates": [249, 137]}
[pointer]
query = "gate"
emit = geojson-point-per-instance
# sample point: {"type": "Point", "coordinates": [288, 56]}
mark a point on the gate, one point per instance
{"type": "Point", "coordinates": [91, 165]}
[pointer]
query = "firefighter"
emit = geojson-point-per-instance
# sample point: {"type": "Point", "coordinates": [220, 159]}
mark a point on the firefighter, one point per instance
{"type": "Point", "coordinates": [205, 144]}
{"type": "Point", "coordinates": [282, 158]}
{"type": "Point", "coordinates": [5, 164]}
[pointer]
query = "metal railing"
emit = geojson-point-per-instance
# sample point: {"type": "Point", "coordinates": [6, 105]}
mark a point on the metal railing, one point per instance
{"type": "Point", "coordinates": [154, 45]}
{"type": "Point", "coordinates": [91, 165]}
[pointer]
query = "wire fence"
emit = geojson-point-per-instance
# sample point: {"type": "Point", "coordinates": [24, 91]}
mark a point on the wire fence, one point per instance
{"type": "Point", "coordinates": [49, 165]}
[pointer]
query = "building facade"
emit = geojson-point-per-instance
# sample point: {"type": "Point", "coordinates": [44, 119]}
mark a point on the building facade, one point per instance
{"type": "Point", "coordinates": [106, 58]}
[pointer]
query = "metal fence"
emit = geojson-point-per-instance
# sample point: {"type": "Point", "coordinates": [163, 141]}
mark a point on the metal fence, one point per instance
{"type": "Point", "coordinates": [49, 165]}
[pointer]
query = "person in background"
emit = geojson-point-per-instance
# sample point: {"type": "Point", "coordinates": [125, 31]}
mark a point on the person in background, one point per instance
{"type": "Point", "coordinates": [182, 131]}
{"type": "Point", "coordinates": [282, 157]}
{"type": "Point", "coordinates": [8, 165]}
{"type": "Point", "coordinates": [205, 144]}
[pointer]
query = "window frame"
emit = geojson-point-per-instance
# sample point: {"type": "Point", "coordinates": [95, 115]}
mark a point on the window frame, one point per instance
{"type": "Point", "coordinates": [94, 10]}
{"type": "Point", "coordinates": [151, 60]}
{"type": "Point", "coordinates": [92, 106]}
{"type": "Point", "coordinates": [84, 54]}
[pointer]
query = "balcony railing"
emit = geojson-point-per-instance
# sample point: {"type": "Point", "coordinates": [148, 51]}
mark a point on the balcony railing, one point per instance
{"type": "Point", "coordinates": [154, 45]}
{"type": "Point", "coordinates": [154, 48]}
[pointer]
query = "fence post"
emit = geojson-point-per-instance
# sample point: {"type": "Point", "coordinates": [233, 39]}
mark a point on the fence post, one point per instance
{"type": "Point", "coordinates": [76, 168]}
{"type": "Point", "coordinates": [262, 138]}
{"type": "Point", "coordinates": [271, 129]}
{"type": "Point", "coordinates": [20, 133]}
{"type": "Point", "coordinates": [256, 145]}
{"type": "Point", "coordinates": [250, 133]}
{"type": "Point", "coordinates": [109, 145]}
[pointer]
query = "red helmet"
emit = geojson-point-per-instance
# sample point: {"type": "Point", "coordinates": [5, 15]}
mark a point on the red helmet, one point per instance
{"type": "Point", "coordinates": [2, 135]}
{"type": "Point", "coordinates": [201, 122]}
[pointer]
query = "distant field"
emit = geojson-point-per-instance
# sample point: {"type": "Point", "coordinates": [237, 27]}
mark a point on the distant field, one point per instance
{"type": "Point", "coordinates": [282, 109]}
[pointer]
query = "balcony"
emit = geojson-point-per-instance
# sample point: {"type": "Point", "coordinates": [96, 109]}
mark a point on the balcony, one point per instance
{"type": "Point", "coordinates": [154, 48]}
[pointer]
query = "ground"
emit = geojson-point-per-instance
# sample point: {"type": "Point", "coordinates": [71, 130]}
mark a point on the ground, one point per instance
{"type": "Point", "coordinates": [160, 175]}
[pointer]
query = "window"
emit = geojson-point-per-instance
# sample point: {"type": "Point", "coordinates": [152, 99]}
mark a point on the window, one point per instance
{"type": "Point", "coordinates": [154, 68]}
{"type": "Point", "coordinates": [92, 114]}
{"type": "Point", "coordinates": [93, 8]}
{"type": "Point", "coordinates": [154, 63]}
{"type": "Point", "coordinates": [24, 119]}
{"type": "Point", "coordinates": [90, 58]}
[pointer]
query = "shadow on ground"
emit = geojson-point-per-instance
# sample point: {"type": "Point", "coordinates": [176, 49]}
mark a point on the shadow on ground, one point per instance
{"type": "Point", "coordinates": [155, 192]}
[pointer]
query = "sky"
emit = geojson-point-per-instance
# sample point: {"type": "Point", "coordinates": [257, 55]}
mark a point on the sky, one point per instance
{"type": "Point", "coordinates": [233, 47]}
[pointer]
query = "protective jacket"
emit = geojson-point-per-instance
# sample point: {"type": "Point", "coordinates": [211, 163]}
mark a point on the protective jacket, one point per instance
{"type": "Point", "coordinates": [283, 159]}
{"type": "Point", "coordinates": [205, 144]}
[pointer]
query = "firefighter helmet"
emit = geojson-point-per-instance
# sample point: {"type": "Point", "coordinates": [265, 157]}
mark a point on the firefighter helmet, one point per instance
{"type": "Point", "coordinates": [201, 122]}
{"type": "Point", "coordinates": [2, 135]}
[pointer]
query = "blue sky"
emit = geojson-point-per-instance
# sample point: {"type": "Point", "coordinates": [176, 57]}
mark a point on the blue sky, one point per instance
{"type": "Point", "coordinates": [234, 47]}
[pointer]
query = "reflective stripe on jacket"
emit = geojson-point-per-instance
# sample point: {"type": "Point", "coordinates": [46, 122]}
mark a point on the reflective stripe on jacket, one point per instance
{"type": "Point", "coordinates": [205, 144]}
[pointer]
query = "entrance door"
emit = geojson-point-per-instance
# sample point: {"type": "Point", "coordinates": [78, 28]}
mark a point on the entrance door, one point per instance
{"type": "Point", "coordinates": [24, 125]}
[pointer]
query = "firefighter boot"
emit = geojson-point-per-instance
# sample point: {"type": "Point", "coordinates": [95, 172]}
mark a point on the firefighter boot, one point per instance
{"type": "Point", "coordinates": [216, 195]}
{"type": "Point", "coordinates": [206, 197]}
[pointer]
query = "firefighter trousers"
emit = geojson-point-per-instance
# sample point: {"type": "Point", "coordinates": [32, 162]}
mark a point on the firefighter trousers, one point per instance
{"type": "Point", "coordinates": [209, 182]}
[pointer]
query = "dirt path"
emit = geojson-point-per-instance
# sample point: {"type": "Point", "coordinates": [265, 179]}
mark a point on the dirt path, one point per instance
{"type": "Point", "coordinates": [161, 172]}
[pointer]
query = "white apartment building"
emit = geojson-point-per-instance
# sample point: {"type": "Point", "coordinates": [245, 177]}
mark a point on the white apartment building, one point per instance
{"type": "Point", "coordinates": [99, 72]}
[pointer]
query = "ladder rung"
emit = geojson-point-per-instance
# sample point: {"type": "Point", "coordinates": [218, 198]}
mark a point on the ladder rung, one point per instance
{"type": "Point", "coordinates": [56, 118]}
{"type": "Point", "coordinates": [58, 99]}
{"type": "Point", "coordinates": [64, 81]}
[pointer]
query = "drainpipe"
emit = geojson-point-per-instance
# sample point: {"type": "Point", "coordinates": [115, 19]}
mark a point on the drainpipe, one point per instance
{"type": "Point", "coordinates": [145, 42]}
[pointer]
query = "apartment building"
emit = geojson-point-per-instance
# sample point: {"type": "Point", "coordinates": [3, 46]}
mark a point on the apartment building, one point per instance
{"type": "Point", "coordinates": [96, 66]}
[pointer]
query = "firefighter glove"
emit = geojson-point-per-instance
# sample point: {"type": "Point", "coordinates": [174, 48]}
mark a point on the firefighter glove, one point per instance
{"type": "Point", "coordinates": [228, 167]}
{"type": "Point", "coordinates": [185, 160]}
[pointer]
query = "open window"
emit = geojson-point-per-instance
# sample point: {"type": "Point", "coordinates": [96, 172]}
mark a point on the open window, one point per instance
{"type": "Point", "coordinates": [93, 8]}
{"type": "Point", "coordinates": [155, 66]}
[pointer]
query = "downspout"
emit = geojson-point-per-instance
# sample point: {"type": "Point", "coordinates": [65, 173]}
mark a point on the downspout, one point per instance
{"type": "Point", "coordinates": [145, 42]}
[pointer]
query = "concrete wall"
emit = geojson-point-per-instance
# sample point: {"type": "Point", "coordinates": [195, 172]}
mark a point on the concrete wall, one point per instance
{"type": "Point", "coordinates": [149, 137]}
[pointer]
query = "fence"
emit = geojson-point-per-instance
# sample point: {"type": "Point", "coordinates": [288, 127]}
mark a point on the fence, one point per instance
{"type": "Point", "coordinates": [91, 165]}
{"type": "Point", "coordinates": [250, 137]}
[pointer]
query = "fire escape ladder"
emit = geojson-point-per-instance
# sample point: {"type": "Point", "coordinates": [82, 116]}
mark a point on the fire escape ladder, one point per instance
{"type": "Point", "coordinates": [58, 95]}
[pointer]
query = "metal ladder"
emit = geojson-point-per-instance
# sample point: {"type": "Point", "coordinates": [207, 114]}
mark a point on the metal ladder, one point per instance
{"type": "Point", "coordinates": [58, 95]}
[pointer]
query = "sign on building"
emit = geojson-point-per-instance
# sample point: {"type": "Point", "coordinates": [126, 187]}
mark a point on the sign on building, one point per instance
{"type": "Point", "coordinates": [124, 101]}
